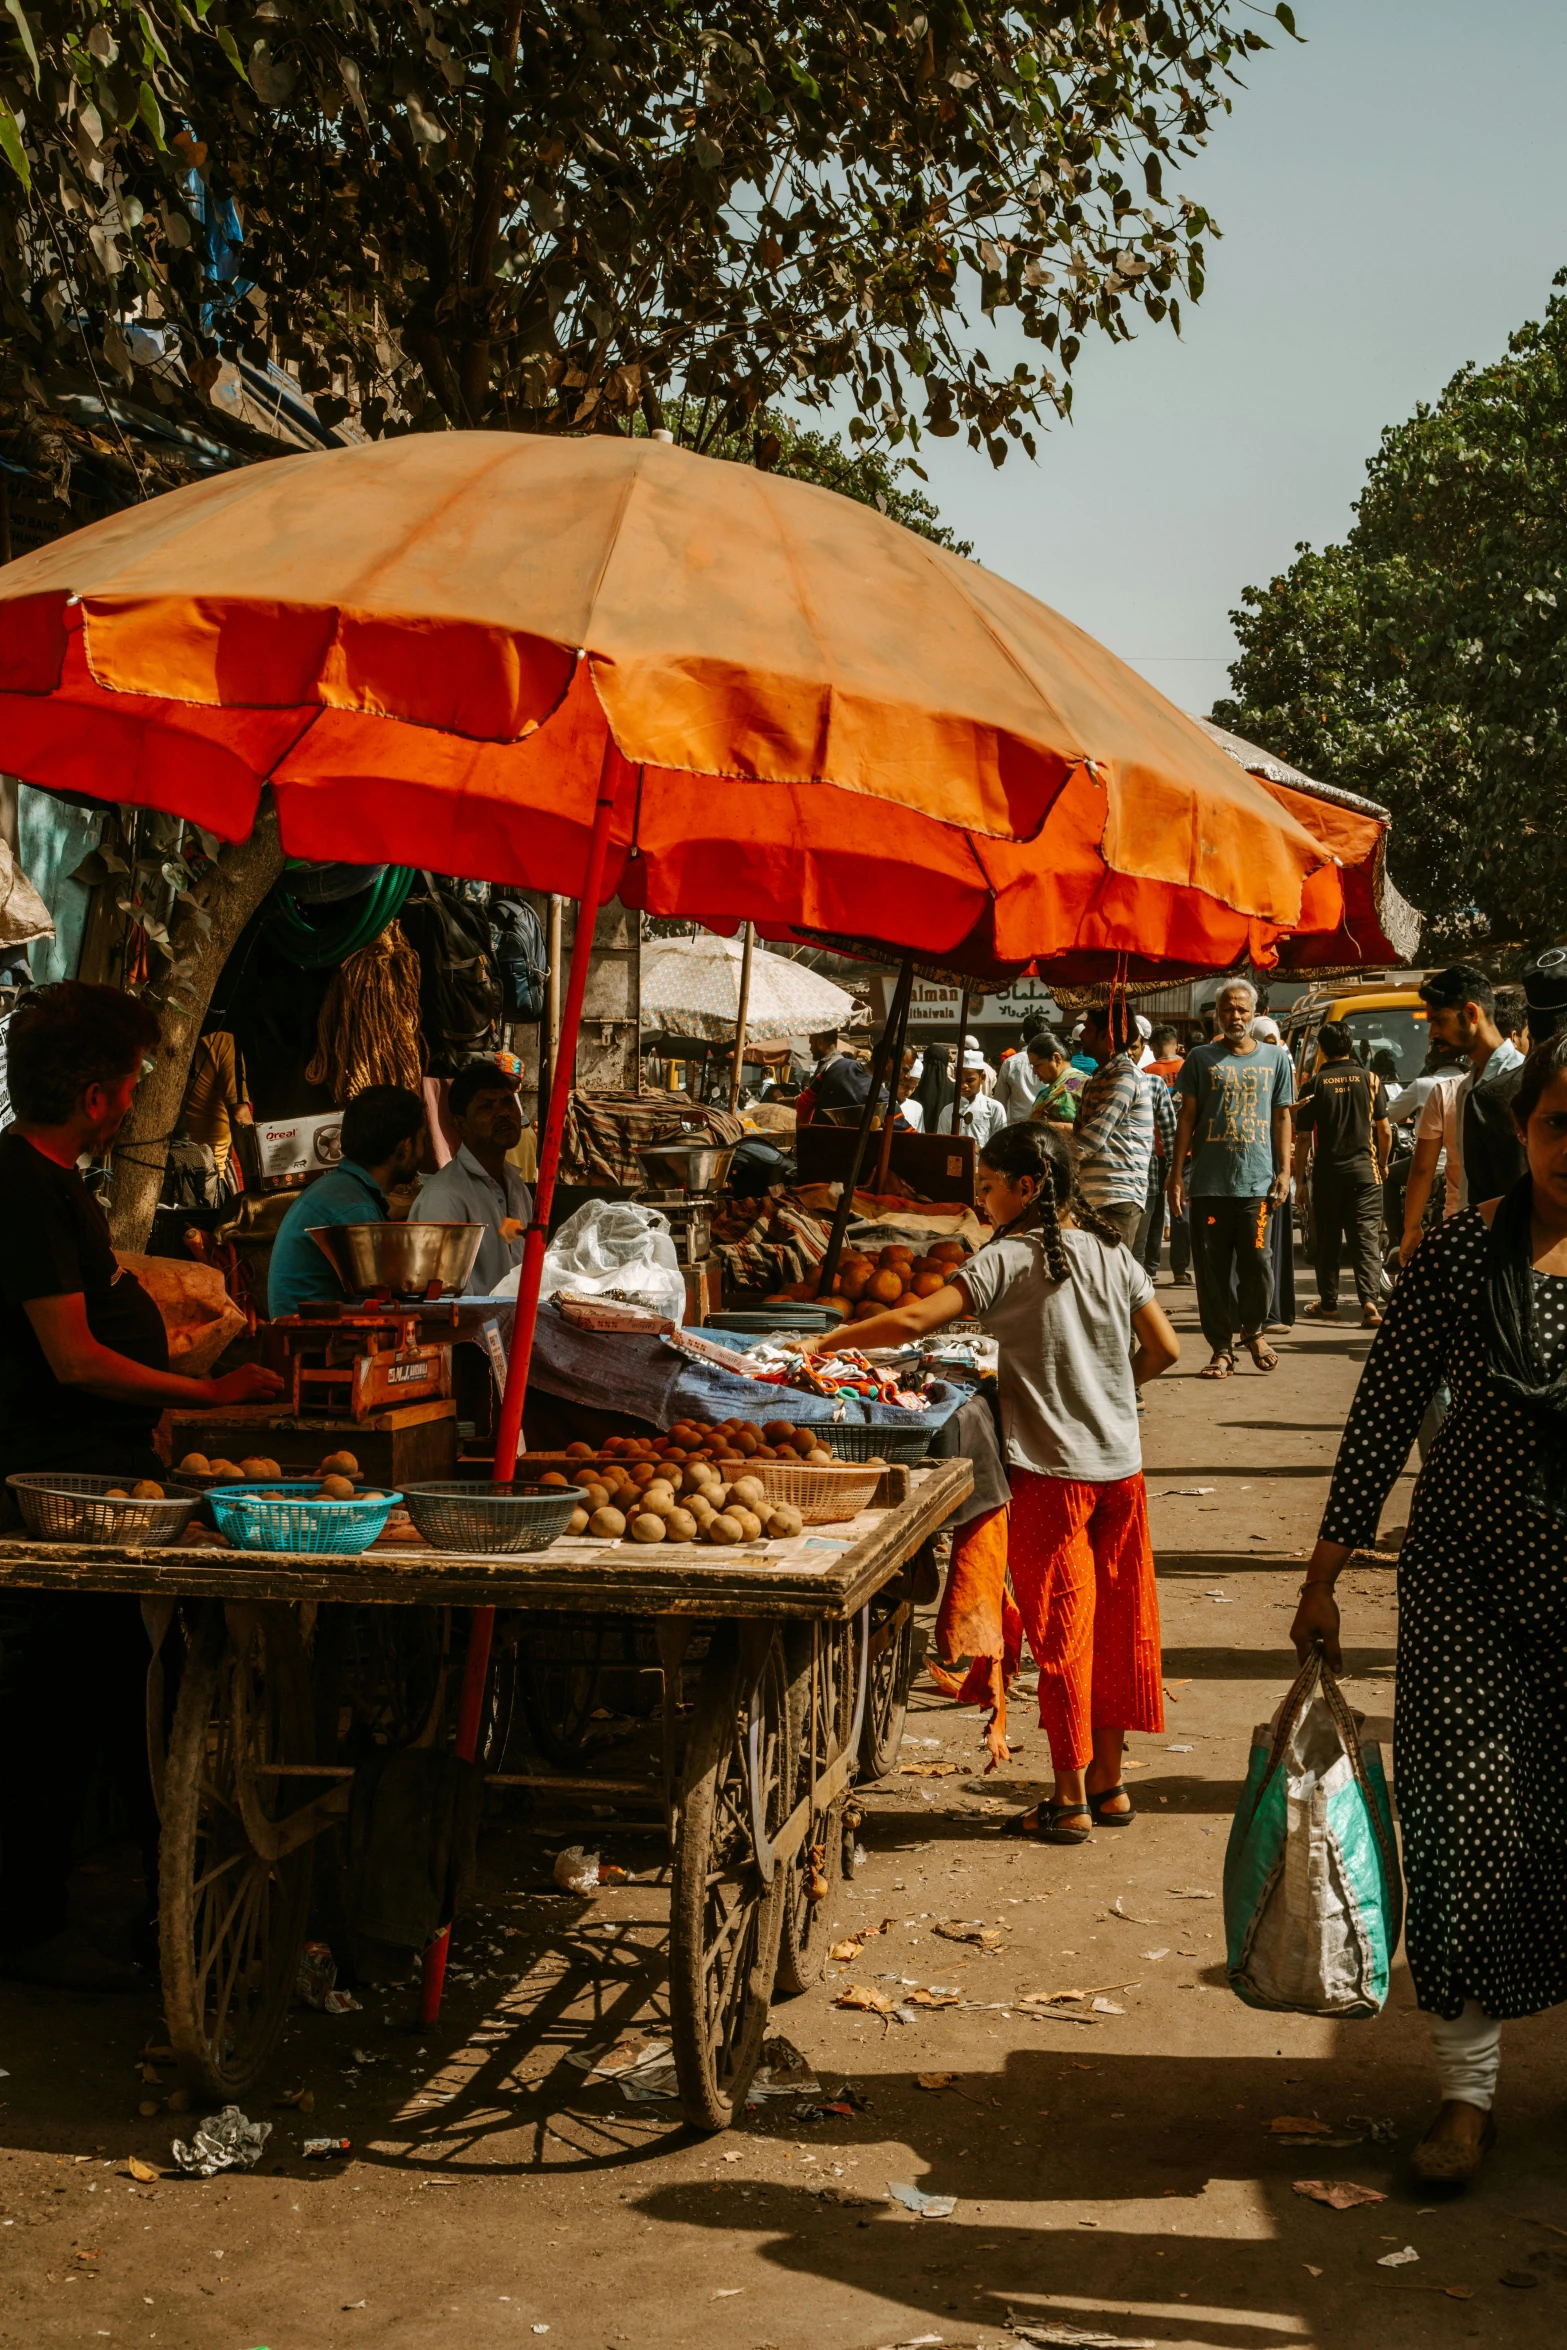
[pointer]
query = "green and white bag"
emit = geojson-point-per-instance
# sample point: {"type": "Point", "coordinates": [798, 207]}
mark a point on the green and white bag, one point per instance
{"type": "Point", "coordinates": [1313, 1897]}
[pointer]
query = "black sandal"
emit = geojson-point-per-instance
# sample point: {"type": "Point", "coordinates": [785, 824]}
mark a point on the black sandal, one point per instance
{"type": "Point", "coordinates": [1055, 1833]}
{"type": "Point", "coordinates": [1110, 1819]}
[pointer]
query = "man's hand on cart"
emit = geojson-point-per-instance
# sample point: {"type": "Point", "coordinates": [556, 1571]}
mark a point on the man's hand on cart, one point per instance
{"type": "Point", "coordinates": [251, 1383]}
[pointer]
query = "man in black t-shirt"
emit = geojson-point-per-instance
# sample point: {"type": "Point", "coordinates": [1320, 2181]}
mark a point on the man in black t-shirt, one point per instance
{"type": "Point", "coordinates": [1341, 1119]}
{"type": "Point", "coordinates": [84, 1375]}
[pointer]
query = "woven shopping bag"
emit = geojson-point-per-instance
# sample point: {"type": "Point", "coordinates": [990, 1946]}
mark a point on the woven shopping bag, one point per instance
{"type": "Point", "coordinates": [1313, 1896]}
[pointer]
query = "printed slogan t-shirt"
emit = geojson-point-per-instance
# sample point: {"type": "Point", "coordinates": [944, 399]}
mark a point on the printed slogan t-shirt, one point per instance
{"type": "Point", "coordinates": [1236, 1095]}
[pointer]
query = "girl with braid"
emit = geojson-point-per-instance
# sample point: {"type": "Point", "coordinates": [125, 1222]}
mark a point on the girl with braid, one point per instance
{"type": "Point", "coordinates": [1063, 1296]}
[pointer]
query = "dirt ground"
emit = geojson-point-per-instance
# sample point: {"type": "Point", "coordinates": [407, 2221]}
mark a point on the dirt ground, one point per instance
{"type": "Point", "coordinates": [1115, 2174]}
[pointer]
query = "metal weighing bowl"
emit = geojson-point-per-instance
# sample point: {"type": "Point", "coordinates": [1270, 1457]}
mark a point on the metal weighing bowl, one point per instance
{"type": "Point", "coordinates": [63, 1506]}
{"type": "Point", "coordinates": [696, 1167]}
{"type": "Point", "coordinates": [404, 1258]}
{"type": "Point", "coordinates": [474, 1516]}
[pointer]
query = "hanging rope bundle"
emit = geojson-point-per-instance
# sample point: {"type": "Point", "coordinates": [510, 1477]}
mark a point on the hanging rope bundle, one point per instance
{"type": "Point", "coordinates": [368, 1032]}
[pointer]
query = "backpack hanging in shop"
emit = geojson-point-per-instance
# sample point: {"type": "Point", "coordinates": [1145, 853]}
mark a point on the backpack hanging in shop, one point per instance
{"type": "Point", "coordinates": [521, 958]}
{"type": "Point", "coordinates": [459, 993]}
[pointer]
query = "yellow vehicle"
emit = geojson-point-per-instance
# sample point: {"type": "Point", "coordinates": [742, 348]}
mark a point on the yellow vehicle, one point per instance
{"type": "Point", "coordinates": [1380, 1014]}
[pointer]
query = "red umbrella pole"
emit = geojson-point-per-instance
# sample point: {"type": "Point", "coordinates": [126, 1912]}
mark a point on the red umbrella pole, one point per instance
{"type": "Point", "coordinates": [508, 1435]}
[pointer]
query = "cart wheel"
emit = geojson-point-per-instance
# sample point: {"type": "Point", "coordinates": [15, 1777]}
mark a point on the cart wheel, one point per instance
{"type": "Point", "coordinates": [382, 1677]}
{"type": "Point", "coordinates": [723, 1918]}
{"type": "Point", "coordinates": [559, 1665]}
{"type": "Point", "coordinates": [892, 1670]}
{"type": "Point", "coordinates": [233, 1907]}
{"type": "Point", "coordinates": [821, 1701]}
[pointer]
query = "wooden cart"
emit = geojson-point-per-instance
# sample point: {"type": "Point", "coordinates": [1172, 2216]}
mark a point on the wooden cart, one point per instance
{"type": "Point", "coordinates": [808, 1656]}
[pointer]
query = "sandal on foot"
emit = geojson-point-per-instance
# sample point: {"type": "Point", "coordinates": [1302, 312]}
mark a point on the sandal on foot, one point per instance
{"type": "Point", "coordinates": [1371, 1317]}
{"type": "Point", "coordinates": [1221, 1367]}
{"type": "Point", "coordinates": [1261, 1353]}
{"type": "Point", "coordinates": [1110, 1819]}
{"type": "Point", "coordinates": [1055, 1833]}
{"type": "Point", "coordinates": [1443, 2162]}
{"type": "Point", "coordinates": [1318, 1312]}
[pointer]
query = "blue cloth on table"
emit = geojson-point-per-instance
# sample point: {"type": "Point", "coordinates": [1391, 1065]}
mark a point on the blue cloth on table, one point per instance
{"type": "Point", "coordinates": [620, 1372]}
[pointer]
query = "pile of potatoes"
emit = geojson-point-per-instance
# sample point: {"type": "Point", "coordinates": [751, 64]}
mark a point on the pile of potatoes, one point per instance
{"type": "Point", "coordinates": [337, 1473]}
{"type": "Point", "coordinates": [874, 1285]}
{"type": "Point", "coordinates": [685, 1502]}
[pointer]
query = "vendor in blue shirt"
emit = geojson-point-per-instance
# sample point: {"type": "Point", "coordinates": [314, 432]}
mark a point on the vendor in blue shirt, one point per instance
{"type": "Point", "coordinates": [383, 1140]}
{"type": "Point", "coordinates": [480, 1185]}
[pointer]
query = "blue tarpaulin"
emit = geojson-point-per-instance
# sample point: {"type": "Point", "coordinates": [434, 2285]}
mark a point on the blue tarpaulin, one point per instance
{"type": "Point", "coordinates": [621, 1372]}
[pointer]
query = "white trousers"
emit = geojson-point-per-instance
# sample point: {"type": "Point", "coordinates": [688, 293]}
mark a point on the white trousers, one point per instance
{"type": "Point", "coordinates": [1468, 2054]}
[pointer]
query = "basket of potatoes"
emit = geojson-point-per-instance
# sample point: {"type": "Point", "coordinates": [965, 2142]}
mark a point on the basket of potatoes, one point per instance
{"type": "Point", "coordinates": [694, 1502]}
{"type": "Point", "coordinates": [135, 1511]}
{"type": "Point", "coordinates": [326, 1514]}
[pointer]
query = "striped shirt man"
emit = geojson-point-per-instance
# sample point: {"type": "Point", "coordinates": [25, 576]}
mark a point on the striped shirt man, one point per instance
{"type": "Point", "coordinates": [1117, 1118]}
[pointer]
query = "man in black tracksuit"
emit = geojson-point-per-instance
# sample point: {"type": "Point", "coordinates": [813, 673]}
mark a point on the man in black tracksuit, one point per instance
{"type": "Point", "coordinates": [1342, 1119]}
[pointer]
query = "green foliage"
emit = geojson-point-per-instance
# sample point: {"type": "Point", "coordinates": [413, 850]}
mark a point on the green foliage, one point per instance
{"type": "Point", "coordinates": [554, 214]}
{"type": "Point", "coordinates": [1424, 661]}
{"type": "Point", "coordinates": [869, 475]}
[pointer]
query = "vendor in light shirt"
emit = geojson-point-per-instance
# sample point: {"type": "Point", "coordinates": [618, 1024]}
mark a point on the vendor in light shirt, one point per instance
{"type": "Point", "coordinates": [480, 1186]}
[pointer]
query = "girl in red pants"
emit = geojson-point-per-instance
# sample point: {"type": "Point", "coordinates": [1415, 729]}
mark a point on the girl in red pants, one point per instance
{"type": "Point", "coordinates": [1063, 1296]}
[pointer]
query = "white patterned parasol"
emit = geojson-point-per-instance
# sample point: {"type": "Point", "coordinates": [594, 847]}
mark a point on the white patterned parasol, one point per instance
{"type": "Point", "coordinates": [691, 987]}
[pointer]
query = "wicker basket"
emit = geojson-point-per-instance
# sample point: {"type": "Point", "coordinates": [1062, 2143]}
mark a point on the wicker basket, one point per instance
{"type": "Point", "coordinates": [65, 1506]}
{"type": "Point", "coordinates": [281, 1516]}
{"type": "Point", "coordinates": [823, 1497]}
{"type": "Point", "coordinates": [481, 1517]}
{"type": "Point", "coordinates": [853, 1440]}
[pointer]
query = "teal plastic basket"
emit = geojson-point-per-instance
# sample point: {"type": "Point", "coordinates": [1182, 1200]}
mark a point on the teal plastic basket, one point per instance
{"type": "Point", "coordinates": [253, 1519]}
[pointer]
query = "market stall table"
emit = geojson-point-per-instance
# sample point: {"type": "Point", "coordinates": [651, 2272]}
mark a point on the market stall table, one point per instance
{"type": "Point", "coordinates": [809, 1652]}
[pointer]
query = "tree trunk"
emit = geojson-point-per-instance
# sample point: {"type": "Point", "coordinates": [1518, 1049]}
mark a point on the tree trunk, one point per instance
{"type": "Point", "coordinates": [231, 892]}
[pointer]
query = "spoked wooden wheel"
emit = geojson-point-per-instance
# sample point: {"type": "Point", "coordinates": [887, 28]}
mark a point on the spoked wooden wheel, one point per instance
{"type": "Point", "coordinates": [382, 1677]}
{"type": "Point", "coordinates": [821, 1702]}
{"type": "Point", "coordinates": [726, 1900]}
{"type": "Point", "coordinates": [234, 1868]}
{"type": "Point", "coordinates": [891, 1672]}
{"type": "Point", "coordinates": [560, 1663]}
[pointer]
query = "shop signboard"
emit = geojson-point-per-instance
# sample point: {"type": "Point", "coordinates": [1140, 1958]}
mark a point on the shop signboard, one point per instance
{"type": "Point", "coordinates": [932, 1006]}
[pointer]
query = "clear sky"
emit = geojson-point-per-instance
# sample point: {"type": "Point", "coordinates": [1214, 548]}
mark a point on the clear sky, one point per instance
{"type": "Point", "coordinates": [1393, 197]}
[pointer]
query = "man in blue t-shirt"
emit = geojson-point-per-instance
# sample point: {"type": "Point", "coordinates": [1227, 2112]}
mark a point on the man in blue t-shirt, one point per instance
{"type": "Point", "coordinates": [383, 1140]}
{"type": "Point", "coordinates": [1235, 1097]}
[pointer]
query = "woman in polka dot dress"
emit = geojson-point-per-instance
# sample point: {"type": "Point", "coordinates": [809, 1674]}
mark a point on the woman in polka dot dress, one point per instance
{"type": "Point", "coordinates": [1482, 1661]}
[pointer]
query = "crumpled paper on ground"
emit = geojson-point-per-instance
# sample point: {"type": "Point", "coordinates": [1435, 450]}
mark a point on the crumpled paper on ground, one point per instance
{"type": "Point", "coordinates": [916, 2200]}
{"type": "Point", "coordinates": [783, 2072]}
{"type": "Point", "coordinates": [1078, 2337]}
{"type": "Point", "coordinates": [1337, 2194]}
{"type": "Point", "coordinates": [229, 2141]}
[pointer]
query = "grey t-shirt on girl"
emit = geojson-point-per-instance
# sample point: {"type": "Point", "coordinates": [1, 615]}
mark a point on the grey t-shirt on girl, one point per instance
{"type": "Point", "coordinates": [1068, 1398]}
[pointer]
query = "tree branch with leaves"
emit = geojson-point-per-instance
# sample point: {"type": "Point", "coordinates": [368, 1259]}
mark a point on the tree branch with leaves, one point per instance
{"type": "Point", "coordinates": [551, 217]}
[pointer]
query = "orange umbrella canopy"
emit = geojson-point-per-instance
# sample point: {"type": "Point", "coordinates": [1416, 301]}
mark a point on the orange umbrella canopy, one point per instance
{"type": "Point", "coordinates": [430, 647]}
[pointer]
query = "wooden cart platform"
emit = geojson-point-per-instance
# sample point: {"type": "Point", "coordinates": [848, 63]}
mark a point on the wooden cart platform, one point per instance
{"type": "Point", "coordinates": [828, 1572]}
{"type": "Point", "coordinates": [259, 1659]}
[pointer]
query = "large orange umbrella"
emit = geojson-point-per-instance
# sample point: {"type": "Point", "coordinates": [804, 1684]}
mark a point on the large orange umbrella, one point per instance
{"type": "Point", "coordinates": [428, 646]}
{"type": "Point", "coordinates": [601, 665]}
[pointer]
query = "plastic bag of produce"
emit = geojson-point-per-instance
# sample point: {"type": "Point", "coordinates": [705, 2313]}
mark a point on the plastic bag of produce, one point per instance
{"type": "Point", "coordinates": [1313, 1897]}
{"type": "Point", "coordinates": [613, 1248]}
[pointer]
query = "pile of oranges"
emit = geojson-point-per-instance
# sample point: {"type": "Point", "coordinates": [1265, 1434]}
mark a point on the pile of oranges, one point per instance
{"type": "Point", "coordinates": [874, 1285]}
